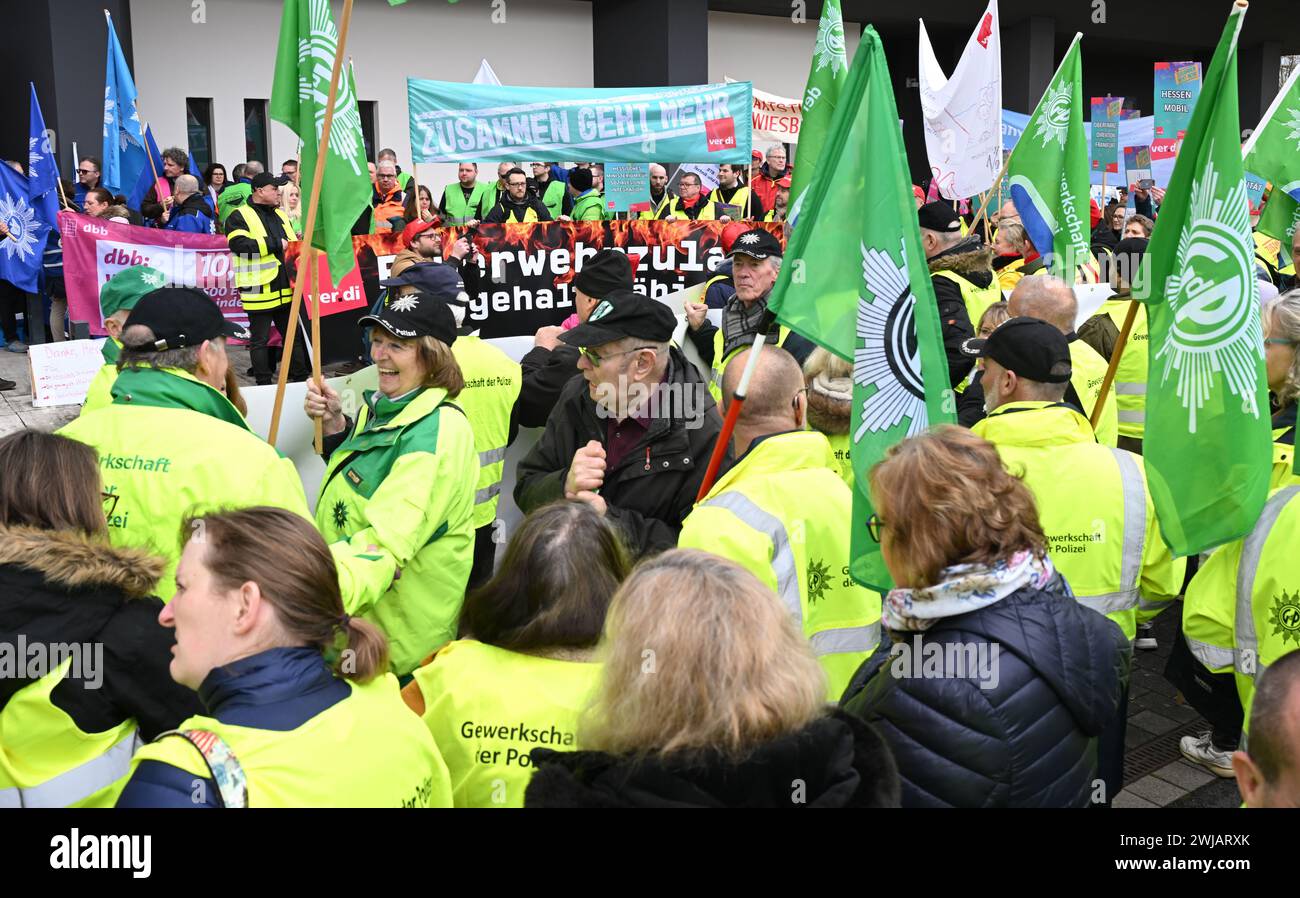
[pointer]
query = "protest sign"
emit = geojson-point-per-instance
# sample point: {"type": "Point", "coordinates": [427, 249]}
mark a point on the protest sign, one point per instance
{"type": "Point", "coordinates": [373, 254]}
{"type": "Point", "coordinates": [1105, 133]}
{"type": "Point", "coordinates": [1137, 163]}
{"type": "Point", "coordinates": [1177, 85]}
{"type": "Point", "coordinates": [493, 123]}
{"type": "Point", "coordinates": [627, 187]}
{"type": "Point", "coordinates": [62, 372]}
{"type": "Point", "coordinates": [776, 119]}
{"type": "Point", "coordinates": [95, 249]}
{"type": "Point", "coordinates": [1255, 192]}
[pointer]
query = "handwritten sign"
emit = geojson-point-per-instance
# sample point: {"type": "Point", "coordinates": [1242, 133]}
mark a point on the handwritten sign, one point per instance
{"type": "Point", "coordinates": [62, 372]}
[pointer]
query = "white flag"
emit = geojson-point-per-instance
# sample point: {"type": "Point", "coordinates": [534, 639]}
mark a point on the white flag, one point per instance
{"type": "Point", "coordinates": [485, 74]}
{"type": "Point", "coordinates": [963, 114]}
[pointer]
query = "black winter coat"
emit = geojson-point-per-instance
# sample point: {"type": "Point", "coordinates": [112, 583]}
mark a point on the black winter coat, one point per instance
{"type": "Point", "coordinates": [840, 761]}
{"type": "Point", "coordinates": [545, 372]}
{"type": "Point", "coordinates": [65, 588]}
{"type": "Point", "coordinates": [647, 495]}
{"type": "Point", "coordinates": [1030, 739]}
{"type": "Point", "coordinates": [974, 261]}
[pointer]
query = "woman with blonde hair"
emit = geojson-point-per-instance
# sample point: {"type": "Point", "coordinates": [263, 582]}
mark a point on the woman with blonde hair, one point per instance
{"type": "Point", "coordinates": [291, 204]}
{"type": "Point", "coordinates": [970, 401]}
{"type": "Point", "coordinates": [257, 612]}
{"type": "Point", "coordinates": [830, 403]}
{"type": "Point", "coordinates": [397, 500]}
{"type": "Point", "coordinates": [998, 683]}
{"type": "Point", "coordinates": [710, 697]}
{"type": "Point", "coordinates": [1282, 361]}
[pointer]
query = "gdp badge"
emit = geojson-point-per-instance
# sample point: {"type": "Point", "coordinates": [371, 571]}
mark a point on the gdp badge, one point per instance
{"type": "Point", "coordinates": [1285, 617]}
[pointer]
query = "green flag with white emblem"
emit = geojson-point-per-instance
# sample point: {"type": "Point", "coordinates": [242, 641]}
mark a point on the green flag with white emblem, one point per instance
{"type": "Point", "coordinates": [1208, 447]}
{"type": "Point", "coordinates": [299, 94]}
{"type": "Point", "coordinates": [821, 95]}
{"type": "Point", "coordinates": [854, 279]}
{"type": "Point", "coordinates": [1273, 152]}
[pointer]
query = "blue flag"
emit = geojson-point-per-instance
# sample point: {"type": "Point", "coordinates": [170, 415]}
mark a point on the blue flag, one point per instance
{"type": "Point", "coordinates": [42, 170]}
{"type": "Point", "coordinates": [145, 182]}
{"type": "Point", "coordinates": [22, 252]}
{"type": "Point", "coordinates": [123, 142]}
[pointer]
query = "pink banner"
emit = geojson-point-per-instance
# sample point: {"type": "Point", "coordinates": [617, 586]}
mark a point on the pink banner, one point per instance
{"type": "Point", "coordinates": [94, 250]}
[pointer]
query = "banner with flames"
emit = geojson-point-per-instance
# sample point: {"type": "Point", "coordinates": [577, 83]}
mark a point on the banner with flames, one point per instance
{"type": "Point", "coordinates": [520, 277]}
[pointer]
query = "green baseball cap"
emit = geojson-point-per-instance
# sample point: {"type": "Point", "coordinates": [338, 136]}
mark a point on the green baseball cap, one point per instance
{"type": "Point", "coordinates": [124, 289]}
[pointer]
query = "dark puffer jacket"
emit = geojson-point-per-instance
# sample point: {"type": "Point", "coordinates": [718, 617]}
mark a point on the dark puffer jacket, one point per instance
{"type": "Point", "coordinates": [973, 261]}
{"type": "Point", "coordinates": [835, 762]}
{"type": "Point", "coordinates": [1030, 739]}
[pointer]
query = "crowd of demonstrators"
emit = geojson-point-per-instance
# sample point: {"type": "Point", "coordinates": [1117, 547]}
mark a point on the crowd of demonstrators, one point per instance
{"type": "Point", "coordinates": [750, 511]}
{"type": "Point", "coordinates": [963, 543]}
{"type": "Point", "coordinates": [710, 697]}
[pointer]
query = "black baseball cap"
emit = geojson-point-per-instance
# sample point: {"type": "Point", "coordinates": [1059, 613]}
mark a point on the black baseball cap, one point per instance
{"type": "Point", "coordinates": [262, 179]}
{"type": "Point", "coordinates": [1029, 347]}
{"type": "Point", "coordinates": [603, 273]}
{"type": "Point", "coordinates": [623, 313]}
{"type": "Point", "coordinates": [938, 216]}
{"type": "Point", "coordinates": [180, 317]}
{"type": "Point", "coordinates": [437, 278]}
{"type": "Point", "coordinates": [757, 243]}
{"type": "Point", "coordinates": [414, 315]}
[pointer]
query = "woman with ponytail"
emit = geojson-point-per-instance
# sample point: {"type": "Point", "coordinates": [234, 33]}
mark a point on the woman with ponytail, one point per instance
{"type": "Point", "coordinates": [301, 709]}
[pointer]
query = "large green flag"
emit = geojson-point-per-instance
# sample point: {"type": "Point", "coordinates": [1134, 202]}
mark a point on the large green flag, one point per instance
{"type": "Point", "coordinates": [1049, 174]}
{"type": "Point", "coordinates": [1207, 444]}
{"type": "Point", "coordinates": [826, 76]}
{"type": "Point", "coordinates": [303, 64]}
{"type": "Point", "coordinates": [855, 281]}
{"type": "Point", "coordinates": [1273, 152]}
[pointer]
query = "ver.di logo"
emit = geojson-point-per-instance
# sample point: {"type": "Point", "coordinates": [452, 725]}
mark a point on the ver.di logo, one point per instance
{"type": "Point", "coordinates": [819, 579]}
{"type": "Point", "coordinates": [340, 513]}
{"type": "Point", "coordinates": [1285, 617]}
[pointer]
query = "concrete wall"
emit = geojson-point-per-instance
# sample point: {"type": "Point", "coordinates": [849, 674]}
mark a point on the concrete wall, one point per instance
{"type": "Point", "coordinates": [771, 51]}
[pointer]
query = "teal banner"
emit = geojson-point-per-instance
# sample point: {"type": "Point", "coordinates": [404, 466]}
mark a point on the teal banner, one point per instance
{"type": "Point", "coordinates": [452, 122]}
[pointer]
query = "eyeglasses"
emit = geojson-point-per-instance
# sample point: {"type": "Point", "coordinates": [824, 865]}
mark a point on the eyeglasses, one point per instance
{"type": "Point", "coordinates": [874, 526]}
{"type": "Point", "coordinates": [1278, 341]}
{"type": "Point", "coordinates": [596, 359]}
{"type": "Point", "coordinates": [87, 171]}
{"type": "Point", "coordinates": [110, 503]}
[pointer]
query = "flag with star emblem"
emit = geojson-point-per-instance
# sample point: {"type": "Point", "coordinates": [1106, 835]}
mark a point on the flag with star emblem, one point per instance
{"type": "Point", "coordinates": [1273, 152]}
{"type": "Point", "coordinates": [821, 95]}
{"type": "Point", "coordinates": [123, 139]}
{"type": "Point", "coordinates": [854, 280]}
{"type": "Point", "coordinates": [1048, 173]}
{"type": "Point", "coordinates": [1207, 446]}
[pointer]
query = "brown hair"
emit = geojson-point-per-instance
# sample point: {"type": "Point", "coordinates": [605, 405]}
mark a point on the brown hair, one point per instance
{"type": "Point", "coordinates": [700, 655]}
{"type": "Point", "coordinates": [441, 367]}
{"type": "Point", "coordinates": [50, 482]}
{"type": "Point", "coordinates": [946, 499]}
{"type": "Point", "coordinates": [555, 583]}
{"type": "Point", "coordinates": [289, 561]}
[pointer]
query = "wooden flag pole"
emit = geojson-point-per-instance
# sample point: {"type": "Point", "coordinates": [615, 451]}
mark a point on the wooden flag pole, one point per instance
{"type": "Point", "coordinates": [157, 194]}
{"type": "Point", "coordinates": [313, 293]}
{"type": "Point", "coordinates": [1006, 163]}
{"type": "Point", "coordinates": [309, 230]}
{"type": "Point", "coordinates": [1115, 355]}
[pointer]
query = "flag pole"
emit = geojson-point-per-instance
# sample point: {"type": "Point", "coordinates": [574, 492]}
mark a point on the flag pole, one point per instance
{"type": "Point", "coordinates": [309, 229]}
{"type": "Point", "coordinates": [313, 293]}
{"type": "Point", "coordinates": [733, 412]}
{"type": "Point", "coordinates": [998, 181]}
{"type": "Point", "coordinates": [157, 194]}
{"type": "Point", "coordinates": [1115, 355]}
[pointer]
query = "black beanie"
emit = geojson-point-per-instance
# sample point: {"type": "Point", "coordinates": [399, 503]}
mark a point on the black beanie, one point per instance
{"type": "Point", "coordinates": [604, 272]}
{"type": "Point", "coordinates": [580, 178]}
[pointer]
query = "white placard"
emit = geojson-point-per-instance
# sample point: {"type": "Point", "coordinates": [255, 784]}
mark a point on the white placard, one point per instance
{"type": "Point", "coordinates": [62, 372]}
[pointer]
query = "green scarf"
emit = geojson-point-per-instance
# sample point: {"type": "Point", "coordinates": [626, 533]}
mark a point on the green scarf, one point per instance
{"type": "Point", "coordinates": [383, 409]}
{"type": "Point", "coordinates": [110, 350]}
{"type": "Point", "coordinates": [174, 388]}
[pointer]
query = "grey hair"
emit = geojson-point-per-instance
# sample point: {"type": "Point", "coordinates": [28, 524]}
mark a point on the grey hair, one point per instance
{"type": "Point", "coordinates": [187, 184]}
{"type": "Point", "coordinates": [253, 167]}
{"type": "Point", "coordinates": [141, 336]}
{"type": "Point", "coordinates": [1282, 321]}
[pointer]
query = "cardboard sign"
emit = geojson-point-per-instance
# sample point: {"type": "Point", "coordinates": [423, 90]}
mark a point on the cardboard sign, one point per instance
{"type": "Point", "coordinates": [61, 372]}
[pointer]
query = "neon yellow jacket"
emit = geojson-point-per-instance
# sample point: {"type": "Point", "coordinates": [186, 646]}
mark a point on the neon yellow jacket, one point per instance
{"type": "Point", "coordinates": [100, 391]}
{"type": "Point", "coordinates": [781, 512]}
{"type": "Point", "coordinates": [1089, 370]}
{"type": "Point", "coordinates": [367, 750]}
{"type": "Point", "coordinates": [492, 384]}
{"type": "Point", "coordinates": [170, 444]}
{"type": "Point", "coordinates": [1095, 509]}
{"type": "Point", "coordinates": [398, 494]}
{"type": "Point", "coordinates": [1242, 610]}
{"type": "Point", "coordinates": [1131, 375]}
{"type": "Point", "coordinates": [487, 708]}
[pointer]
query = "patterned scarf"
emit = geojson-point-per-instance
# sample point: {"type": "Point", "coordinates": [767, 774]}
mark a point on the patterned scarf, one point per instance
{"type": "Point", "coordinates": [963, 588]}
{"type": "Point", "coordinates": [740, 321]}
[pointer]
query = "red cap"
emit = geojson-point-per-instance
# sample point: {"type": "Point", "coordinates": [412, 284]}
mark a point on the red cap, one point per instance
{"type": "Point", "coordinates": [784, 182]}
{"type": "Point", "coordinates": [1094, 213]}
{"type": "Point", "coordinates": [757, 154]}
{"type": "Point", "coordinates": [732, 231]}
{"type": "Point", "coordinates": [414, 229]}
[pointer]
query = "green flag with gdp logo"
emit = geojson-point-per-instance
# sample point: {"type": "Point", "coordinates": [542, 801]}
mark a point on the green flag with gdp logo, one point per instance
{"type": "Point", "coordinates": [1207, 445]}
{"type": "Point", "coordinates": [826, 76]}
{"type": "Point", "coordinates": [854, 280]}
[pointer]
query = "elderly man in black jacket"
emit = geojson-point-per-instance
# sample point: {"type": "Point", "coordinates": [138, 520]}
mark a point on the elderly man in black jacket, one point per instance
{"type": "Point", "coordinates": [632, 436]}
{"type": "Point", "coordinates": [551, 364]}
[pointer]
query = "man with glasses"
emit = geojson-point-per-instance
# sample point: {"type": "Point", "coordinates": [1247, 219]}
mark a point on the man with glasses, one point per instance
{"type": "Point", "coordinates": [781, 511]}
{"type": "Point", "coordinates": [88, 173]}
{"type": "Point", "coordinates": [518, 204]}
{"type": "Point", "coordinates": [632, 436]}
{"type": "Point", "coordinates": [388, 199]}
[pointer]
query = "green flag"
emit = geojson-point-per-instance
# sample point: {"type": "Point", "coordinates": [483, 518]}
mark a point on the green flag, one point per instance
{"type": "Point", "coordinates": [1207, 445]}
{"type": "Point", "coordinates": [826, 76]}
{"type": "Point", "coordinates": [1049, 174]}
{"type": "Point", "coordinates": [1273, 152]}
{"type": "Point", "coordinates": [854, 280]}
{"type": "Point", "coordinates": [303, 64]}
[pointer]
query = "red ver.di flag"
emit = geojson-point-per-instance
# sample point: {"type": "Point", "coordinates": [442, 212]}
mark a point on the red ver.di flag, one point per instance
{"type": "Point", "coordinates": [94, 250]}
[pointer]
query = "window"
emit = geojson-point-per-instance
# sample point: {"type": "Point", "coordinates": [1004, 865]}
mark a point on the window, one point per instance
{"type": "Point", "coordinates": [367, 110]}
{"type": "Point", "coordinates": [256, 147]}
{"type": "Point", "coordinates": [198, 125]}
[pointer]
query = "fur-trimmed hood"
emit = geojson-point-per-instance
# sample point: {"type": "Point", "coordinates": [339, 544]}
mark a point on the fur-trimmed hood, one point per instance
{"type": "Point", "coordinates": [968, 257]}
{"type": "Point", "coordinates": [77, 562]}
